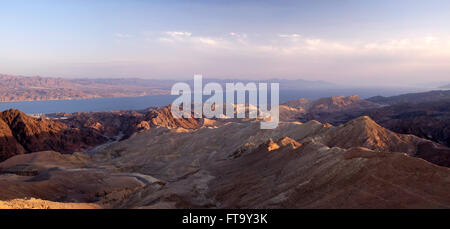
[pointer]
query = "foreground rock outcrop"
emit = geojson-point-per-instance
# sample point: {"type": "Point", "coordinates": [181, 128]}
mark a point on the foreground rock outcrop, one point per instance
{"type": "Point", "coordinates": [126, 123]}
{"type": "Point", "coordinates": [20, 133]}
{"type": "Point", "coordinates": [32, 203]}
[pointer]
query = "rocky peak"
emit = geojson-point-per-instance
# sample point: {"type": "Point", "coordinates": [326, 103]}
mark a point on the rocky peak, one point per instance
{"type": "Point", "coordinates": [287, 141]}
{"type": "Point", "coordinates": [20, 133]}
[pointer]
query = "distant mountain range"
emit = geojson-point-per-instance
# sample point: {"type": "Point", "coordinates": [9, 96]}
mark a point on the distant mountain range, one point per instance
{"type": "Point", "coordinates": [284, 83]}
{"type": "Point", "coordinates": [446, 86]}
{"type": "Point", "coordinates": [20, 88]}
{"type": "Point", "coordinates": [423, 97]}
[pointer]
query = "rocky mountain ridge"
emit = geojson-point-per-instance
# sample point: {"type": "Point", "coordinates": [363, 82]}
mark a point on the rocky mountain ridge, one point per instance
{"type": "Point", "coordinates": [426, 115]}
{"type": "Point", "coordinates": [21, 88]}
{"type": "Point", "coordinates": [236, 165]}
{"type": "Point", "coordinates": [20, 133]}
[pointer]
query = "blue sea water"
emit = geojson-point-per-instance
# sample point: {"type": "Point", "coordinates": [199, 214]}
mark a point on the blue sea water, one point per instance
{"type": "Point", "coordinates": [136, 103]}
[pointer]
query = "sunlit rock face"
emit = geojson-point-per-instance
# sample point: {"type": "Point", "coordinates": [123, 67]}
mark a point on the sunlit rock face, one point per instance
{"type": "Point", "coordinates": [235, 165]}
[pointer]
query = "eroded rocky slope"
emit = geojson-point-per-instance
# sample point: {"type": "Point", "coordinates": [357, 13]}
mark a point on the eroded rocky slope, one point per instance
{"type": "Point", "coordinates": [237, 165]}
{"type": "Point", "coordinates": [20, 133]}
{"type": "Point", "coordinates": [426, 115]}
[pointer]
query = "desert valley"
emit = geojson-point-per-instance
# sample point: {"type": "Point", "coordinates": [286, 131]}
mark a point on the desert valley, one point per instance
{"type": "Point", "coordinates": [336, 152]}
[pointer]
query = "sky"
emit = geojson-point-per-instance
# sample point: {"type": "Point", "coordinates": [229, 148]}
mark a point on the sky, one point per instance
{"type": "Point", "coordinates": [382, 42]}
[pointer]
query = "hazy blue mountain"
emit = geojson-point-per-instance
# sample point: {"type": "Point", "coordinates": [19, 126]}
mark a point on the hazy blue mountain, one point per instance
{"type": "Point", "coordinates": [447, 86]}
{"type": "Point", "coordinates": [422, 97]}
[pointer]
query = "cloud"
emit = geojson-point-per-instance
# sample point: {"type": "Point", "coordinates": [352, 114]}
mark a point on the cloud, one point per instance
{"type": "Point", "coordinates": [294, 35]}
{"type": "Point", "coordinates": [178, 34]}
{"type": "Point", "coordinates": [426, 45]}
{"type": "Point", "coordinates": [175, 36]}
{"type": "Point", "coordinates": [123, 35]}
{"type": "Point", "coordinates": [301, 47]}
{"type": "Point", "coordinates": [207, 41]}
{"type": "Point", "coordinates": [292, 54]}
{"type": "Point", "coordinates": [409, 48]}
{"type": "Point", "coordinates": [238, 35]}
{"type": "Point", "coordinates": [187, 37]}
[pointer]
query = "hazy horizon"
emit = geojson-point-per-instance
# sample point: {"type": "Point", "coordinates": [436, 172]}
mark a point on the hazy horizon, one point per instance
{"type": "Point", "coordinates": [425, 85]}
{"type": "Point", "coordinates": [383, 43]}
